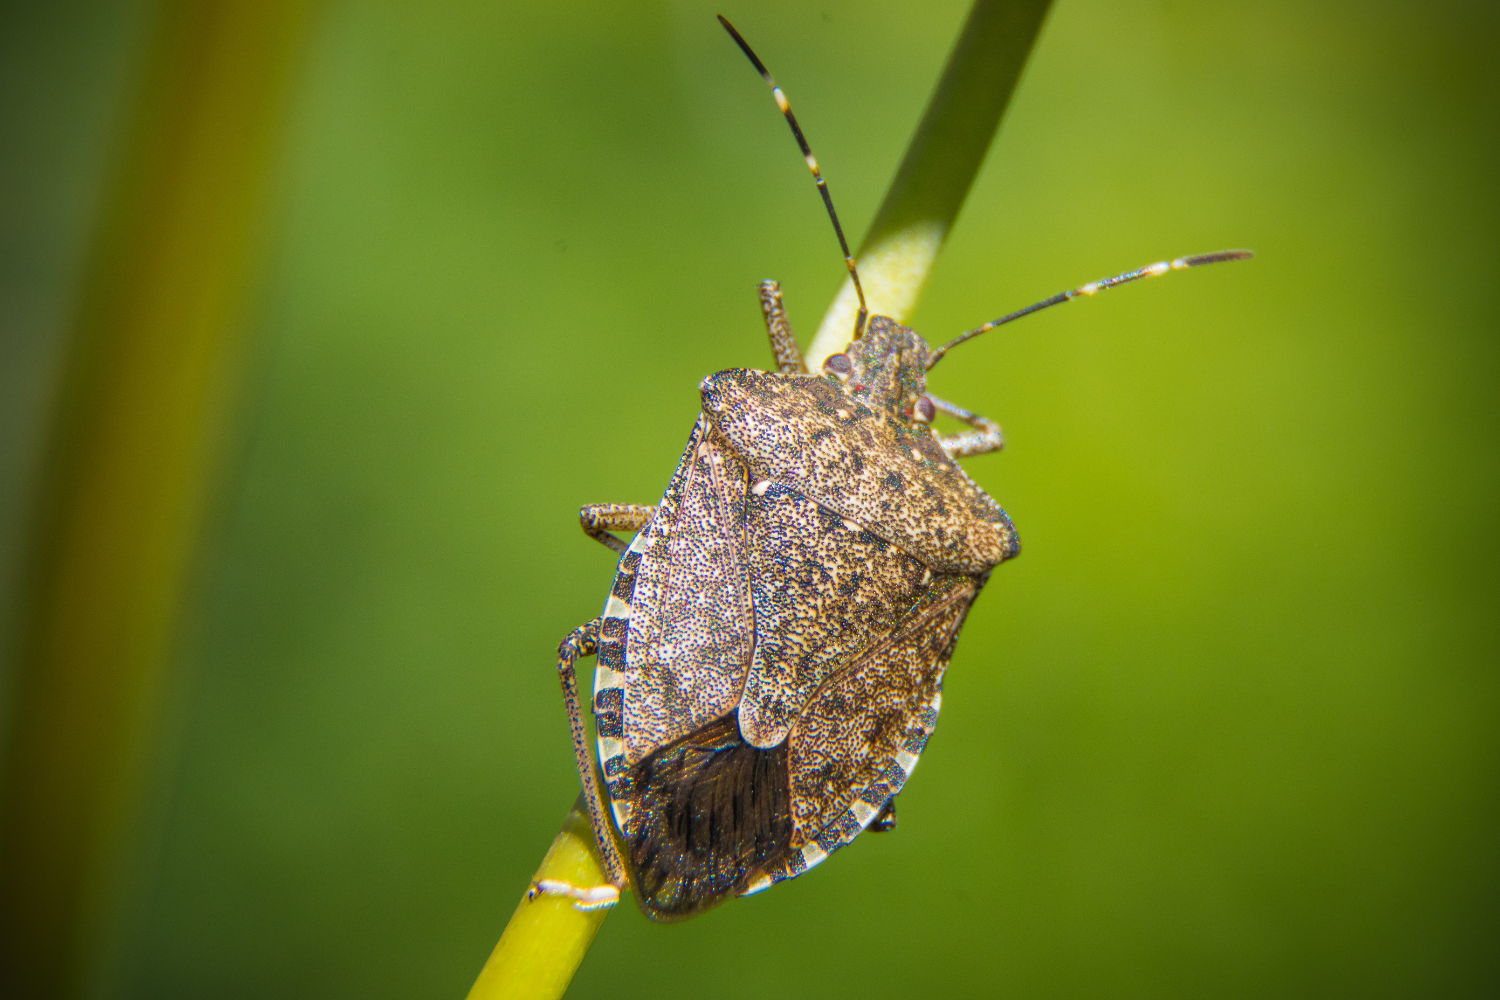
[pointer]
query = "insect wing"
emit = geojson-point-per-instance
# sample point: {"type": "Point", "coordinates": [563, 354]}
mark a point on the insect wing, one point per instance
{"type": "Point", "coordinates": [714, 815]}
{"type": "Point", "coordinates": [859, 738]}
{"type": "Point", "coordinates": [824, 590]}
{"type": "Point", "coordinates": [690, 631]}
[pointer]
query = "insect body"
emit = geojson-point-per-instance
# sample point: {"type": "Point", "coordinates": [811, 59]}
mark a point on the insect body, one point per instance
{"type": "Point", "coordinates": [771, 652]}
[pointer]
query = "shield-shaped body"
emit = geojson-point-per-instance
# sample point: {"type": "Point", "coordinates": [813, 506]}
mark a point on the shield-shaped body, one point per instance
{"type": "Point", "coordinates": [771, 654]}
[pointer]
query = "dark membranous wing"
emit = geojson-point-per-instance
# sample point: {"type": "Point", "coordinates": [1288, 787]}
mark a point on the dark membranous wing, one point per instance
{"type": "Point", "coordinates": [857, 741]}
{"type": "Point", "coordinates": [712, 815]}
{"type": "Point", "coordinates": [890, 477]}
{"type": "Point", "coordinates": [690, 620]}
{"type": "Point", "coordinates": [824, 589]}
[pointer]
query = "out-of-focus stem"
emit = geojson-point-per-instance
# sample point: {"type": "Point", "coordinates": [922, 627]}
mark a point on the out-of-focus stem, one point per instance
{"type": "Point", "coordinates": [147, 386]}
{"type": "Point", "coordinates": [940, 165]}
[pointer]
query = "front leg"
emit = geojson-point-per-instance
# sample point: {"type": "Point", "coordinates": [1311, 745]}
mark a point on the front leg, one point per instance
{"type": "Point", "coordinates": [985, 437]}
{"type": "Point", "coordinates": [784, 347]}
{"type": "Point", "coordinates": [599, 519]}
{"type": "Point", "coordinates": [584, 641]}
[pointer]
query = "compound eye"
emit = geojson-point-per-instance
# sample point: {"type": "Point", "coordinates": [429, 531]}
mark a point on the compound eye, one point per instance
{"type": "Point", "coordinates": [924, 411]}
{"type": "Point", "coordinates": [839, 366]}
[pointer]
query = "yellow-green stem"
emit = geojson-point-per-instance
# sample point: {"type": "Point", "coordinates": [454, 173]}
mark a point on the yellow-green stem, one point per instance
{"type": "Point", "coordinates": [940, 165]}
{"type": "Point", "coordinates": [547, 939]}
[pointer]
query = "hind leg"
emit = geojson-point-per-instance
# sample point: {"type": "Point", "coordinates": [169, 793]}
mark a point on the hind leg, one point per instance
{"type": "Point", "coordinates": [885, 820]}
{"type": "Point", "coordinates": [584, 641]}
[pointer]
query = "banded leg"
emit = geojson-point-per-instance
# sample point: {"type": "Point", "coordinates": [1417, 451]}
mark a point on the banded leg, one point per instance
{"type": "Point", "coordinates": [784, 347]}
{"type": "Point", "coordinates": [599, 519]}
{"type": "Point", "coordinates": [584, 641]}
{"type": "Point", "coordinates": [984, 437]}
{"type": "Point", "coordinates": [885, 820]}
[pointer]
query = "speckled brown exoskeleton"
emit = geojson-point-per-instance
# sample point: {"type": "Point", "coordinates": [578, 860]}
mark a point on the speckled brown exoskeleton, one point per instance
{"type": "Point", "coordinates": [771, 653]}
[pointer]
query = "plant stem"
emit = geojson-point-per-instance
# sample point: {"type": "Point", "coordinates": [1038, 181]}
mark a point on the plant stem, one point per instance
{"type": "Point", "coordinates": [147, 387]}
{"type": "Point", "coordinates": [940, 165]}
{"type": "Point", "coordinates": [547, 939]}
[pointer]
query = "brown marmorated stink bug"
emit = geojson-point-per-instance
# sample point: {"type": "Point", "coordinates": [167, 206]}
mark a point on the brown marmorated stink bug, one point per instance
{"type": "Point", "coordinates": [771, 654]}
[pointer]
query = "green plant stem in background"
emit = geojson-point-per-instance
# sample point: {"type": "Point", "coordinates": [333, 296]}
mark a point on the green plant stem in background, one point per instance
{"type": "Point", "coordinates": [147, 386]}
{"type": "Point", "coordinates": [940, 165]}
{"type": "Point", "coordinates": [547, 939]}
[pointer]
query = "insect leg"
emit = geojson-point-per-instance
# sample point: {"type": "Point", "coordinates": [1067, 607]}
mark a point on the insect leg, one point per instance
{"type": "Point", "coordinates": [984, 437]}
{"type": "Point", "coordinates": [584, 641]}
{"type": "Point", "coordinates": [885, 820]}
{"type": "Point", "coordinates": [783, 344]}
{"type": "Point", "coordinates": [599, 519]}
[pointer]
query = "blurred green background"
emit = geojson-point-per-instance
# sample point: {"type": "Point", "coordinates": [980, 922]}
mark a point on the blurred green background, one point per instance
{"type": "Point", "coordinates": [1227, 728]}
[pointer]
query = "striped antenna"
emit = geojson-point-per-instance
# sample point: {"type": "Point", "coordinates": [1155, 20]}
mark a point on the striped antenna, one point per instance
{"type": "Point", "coordinates": [1149, 271]}
{"type": "Point", "coordinates": [812, 164]}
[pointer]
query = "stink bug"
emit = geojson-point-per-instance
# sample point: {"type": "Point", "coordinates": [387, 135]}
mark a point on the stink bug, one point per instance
{"type": "Point", "coordinates": [771, 653]}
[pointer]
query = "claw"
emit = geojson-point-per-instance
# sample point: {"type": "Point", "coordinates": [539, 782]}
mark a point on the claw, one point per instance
{"type": "Point", "coordinates": [586, 899]}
